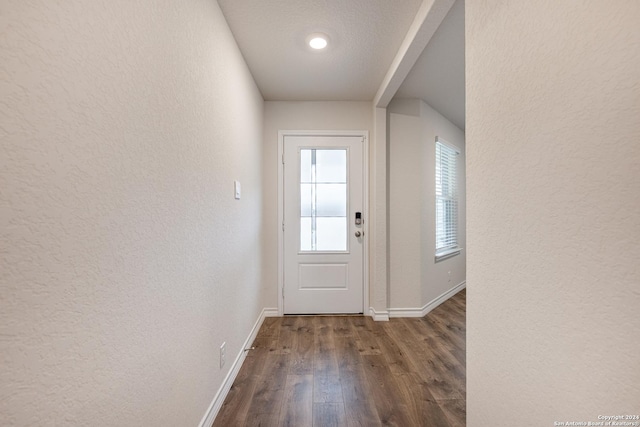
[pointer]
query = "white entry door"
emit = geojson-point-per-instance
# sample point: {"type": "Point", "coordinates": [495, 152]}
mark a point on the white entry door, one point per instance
{"type": "Point", "coordinates": [323, 224]}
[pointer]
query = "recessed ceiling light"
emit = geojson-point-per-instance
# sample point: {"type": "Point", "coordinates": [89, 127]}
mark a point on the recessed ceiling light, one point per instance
{"type": "Point", "coordinates": [318, 41]}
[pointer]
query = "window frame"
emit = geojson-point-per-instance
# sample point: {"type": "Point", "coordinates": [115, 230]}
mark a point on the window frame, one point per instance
{"type": "Point", "coordinates": [444, 252]}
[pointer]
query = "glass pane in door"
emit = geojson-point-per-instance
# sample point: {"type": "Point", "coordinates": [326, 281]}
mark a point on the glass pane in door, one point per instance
{"type": "Point", "coordinates": [323, 200]}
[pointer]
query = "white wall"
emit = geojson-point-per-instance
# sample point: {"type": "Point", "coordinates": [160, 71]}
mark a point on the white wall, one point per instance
{"type": "Point", "coordinates": [406, 169]}
{"type": "Point", "coordinates": [285, 115]}
{"type": "Point", "coordinates": [126, 261]}
{"type": "Point", "coordinates": [553, 172]}
{"type": "Point", "coordinates": [415, 278]}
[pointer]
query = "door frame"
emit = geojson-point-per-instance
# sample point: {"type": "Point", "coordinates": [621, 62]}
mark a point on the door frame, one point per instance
{"type": "Point", "coordinates": [365, 202]}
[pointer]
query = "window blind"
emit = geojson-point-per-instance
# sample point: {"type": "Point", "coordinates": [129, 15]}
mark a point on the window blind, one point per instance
{"type": "Point", "coordinates": [446, 198]}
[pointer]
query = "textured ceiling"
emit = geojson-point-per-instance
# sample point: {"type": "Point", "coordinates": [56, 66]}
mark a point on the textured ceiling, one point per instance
{"type": "Point", "coordinates": [438, 75]}
{"type": "Point", "coordinates": [365, 37]}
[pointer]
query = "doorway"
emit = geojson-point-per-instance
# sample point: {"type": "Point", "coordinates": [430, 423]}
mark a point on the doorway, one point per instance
{"type": "Point", "coordinates": [323, 236]}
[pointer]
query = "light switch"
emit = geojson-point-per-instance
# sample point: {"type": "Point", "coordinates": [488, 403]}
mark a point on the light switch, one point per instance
{"type": "Point", "coordinates": [236, 186]}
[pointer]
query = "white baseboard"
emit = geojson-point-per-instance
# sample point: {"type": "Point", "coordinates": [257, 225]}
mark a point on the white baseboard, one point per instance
{"type": "Point", "coordinates": [405, 312]}
{"type": "Point", "coordinates": [423, 311]}
{"type": "Point", "coordinates": [221, 395]}
{"type": "Point", "coordinates": [270, 312]}
{"type": "Point", "coordinates": [379, 316]}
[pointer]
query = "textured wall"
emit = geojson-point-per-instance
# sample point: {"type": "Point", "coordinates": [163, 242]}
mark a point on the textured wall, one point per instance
{"type": "Point", "coordinates": [125, 259]}
{"type": "Point", "coordinates": [553, 173]}
{"type": "Point", "coordinates": [284, 115]}
{"type": "Point", "coordinates": [415, 278]}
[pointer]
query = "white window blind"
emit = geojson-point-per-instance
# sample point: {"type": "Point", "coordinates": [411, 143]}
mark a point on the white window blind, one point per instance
{"type": "Point", "coordinates": [446, 199]}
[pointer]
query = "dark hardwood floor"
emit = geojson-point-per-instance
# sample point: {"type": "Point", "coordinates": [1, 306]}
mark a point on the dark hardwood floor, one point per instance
{"type": "Point", "coordinates": [352, 371]}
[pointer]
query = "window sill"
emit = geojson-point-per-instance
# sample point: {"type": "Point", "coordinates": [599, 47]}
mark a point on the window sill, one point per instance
{"type": "Point", "coordinates": [440, 256]}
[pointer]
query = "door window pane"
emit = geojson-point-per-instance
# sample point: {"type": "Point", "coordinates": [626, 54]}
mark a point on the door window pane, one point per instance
{"type": "Point", "coordinates": [305, 166]}
{"type": "Point", "coordinates": [305, 200]}
{"type": "Point", "coordinates": [331, 166]}
{"type": "Point", "coordinates": [305, 234]}
{"type": "Point", "coordinates": [331, 234]}
{"type": "Point", "coordinates": [323, 200]}
{"type": "Point", "coordinates": [332, 199]}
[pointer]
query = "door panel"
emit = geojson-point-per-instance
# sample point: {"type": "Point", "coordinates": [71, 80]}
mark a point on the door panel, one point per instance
{"type": "Point", "coordinates": [323, 258]}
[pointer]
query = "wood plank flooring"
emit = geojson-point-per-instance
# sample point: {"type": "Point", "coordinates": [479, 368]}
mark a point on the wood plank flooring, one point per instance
{"type": "Point", "coordinates": [322, 371]}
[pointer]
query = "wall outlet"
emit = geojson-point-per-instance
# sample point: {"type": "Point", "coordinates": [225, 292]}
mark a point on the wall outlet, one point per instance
{"type": "Point", "coordinates": [449, 276]}
{"type": "Point", "coordinates": [223, 354]}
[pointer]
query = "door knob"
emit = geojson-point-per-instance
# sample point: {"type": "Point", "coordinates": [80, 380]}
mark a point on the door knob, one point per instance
{"type": "Point", "coordinates": [358, 233]}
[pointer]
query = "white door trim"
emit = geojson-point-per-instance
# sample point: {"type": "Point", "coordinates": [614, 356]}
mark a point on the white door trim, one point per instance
{"type": "Point", "coordinates": [365, 195]}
